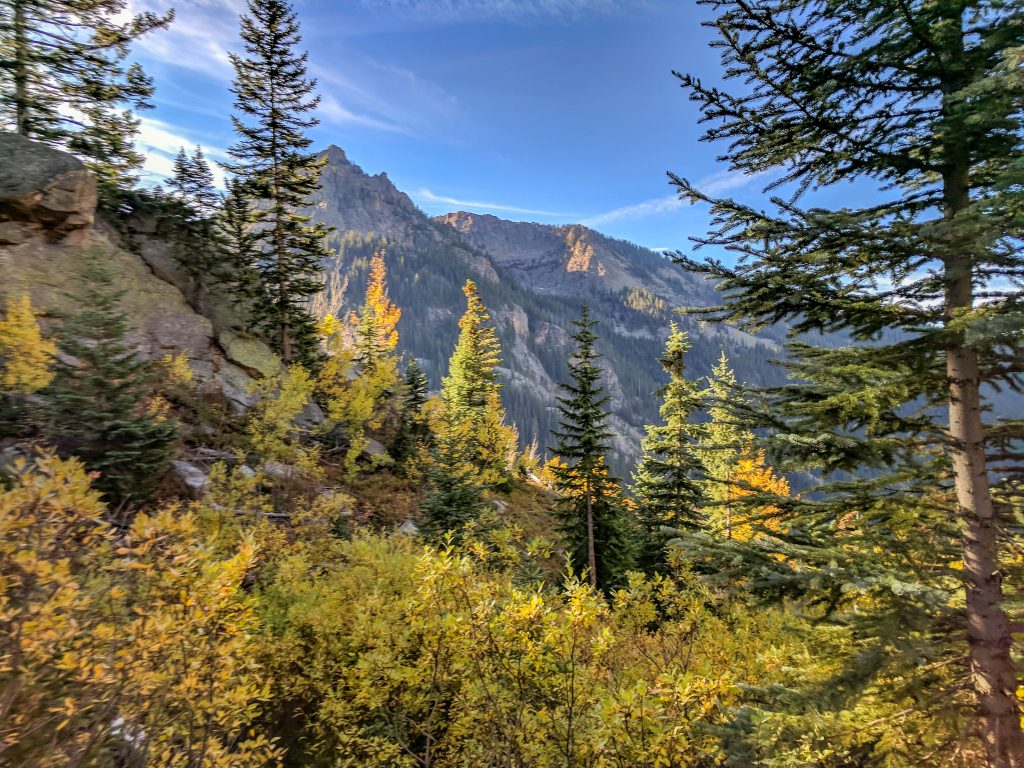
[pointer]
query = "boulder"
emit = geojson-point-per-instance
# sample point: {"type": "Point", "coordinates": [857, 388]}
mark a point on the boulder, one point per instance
{"type": "Point", "coordinates": [45, 188]}
{"type": "Point", "coordinates": [192, 479]}
{"type": "Point", "coordinates": [251, 355]}
{"type": "Point", "coordinates": [408, 528]}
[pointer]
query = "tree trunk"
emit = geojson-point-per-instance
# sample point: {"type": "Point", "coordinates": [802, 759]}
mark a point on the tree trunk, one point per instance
{"type": "Point", "coordinates": [993, 673]}
{"type": "Point", "coordinates": [21, 107]}
{"type": "Point", "coordinates": [591, 549]}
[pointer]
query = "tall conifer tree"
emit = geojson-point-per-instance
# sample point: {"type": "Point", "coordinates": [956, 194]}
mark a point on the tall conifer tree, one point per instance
{"type": "Point", "coordinates": [590, 510]}
{"type": "Point", "coordinates": [274, 97]}
{"type": "Point", "coordinates": [64, 80]}
{"type": "Point", "coordinates": [924, 101]}
{"type": "Point", "coordinates": [667, 479]}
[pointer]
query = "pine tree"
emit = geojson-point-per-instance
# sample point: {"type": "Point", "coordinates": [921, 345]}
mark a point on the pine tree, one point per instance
{"type": "Point", "coordinates": [413, 428]}
{"type": "Point", "coordinates": [64, 78]}
{"type": "Point", "coordinates": [922, 101]}
{"type": "Point", "coordinates": [96, 403]}
{"type": "Point", "coordinates": [472, 394]}
{"type": "Point", "coordinates": [590, 510]}
{"type": "Point", "coordinates": [272, 159]}
{"type": "Point", "coordinates": [667, 479]}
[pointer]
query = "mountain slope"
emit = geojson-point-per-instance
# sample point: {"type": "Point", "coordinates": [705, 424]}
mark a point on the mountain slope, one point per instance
{"type": "Point", "coordinates": [533, 278]}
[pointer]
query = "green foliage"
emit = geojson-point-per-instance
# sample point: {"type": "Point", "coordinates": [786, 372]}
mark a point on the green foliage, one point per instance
{"type": "Point", "coordinates": [453, 499]}
{"type": "Point", "coordinates": [413, 432]}
{"type": "Point", "coordinates": [590, 511]}
{"type": "Point", "coordinates": [193, 230]}
{"type": "Point", "coordinates": [98, 405]}
{"type": "Point", "coordinates": [271, 157]}
{"type": "Point", "coordinates": [921, 101]}
{"type": "Point", "coordinates": [65, 79]}
{"type": "Point", "coordinates": [667, 479]}
{"type": "Point", "coordinates": [408, 657]}
{"type": "Point", "coordinates": [471, 392]}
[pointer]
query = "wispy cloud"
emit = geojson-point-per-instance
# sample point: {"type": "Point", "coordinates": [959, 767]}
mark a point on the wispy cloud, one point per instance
{"type": "Point", "coordinates": [332, 111]}
{"type": "Point", "coordinates": [715, 184]}
{"type": "Point", "coordinates": [455, 11]}
{"type": "Point", "coordinates": [429, 197]}
{"type": "Point", "coordinates": [199, 38]}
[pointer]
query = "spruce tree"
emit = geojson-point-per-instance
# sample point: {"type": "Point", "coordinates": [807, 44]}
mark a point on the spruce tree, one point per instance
{"type": "Point", "coordinates": [589, 509]}
{"type": "Point", "coordinates": [193, 230]}
{"type": "Point", "coordinates": [922, 101]}
{"type": "Point", "coordinates": [272, 158]}
{"type": "Point", "coordinates": [413, 429]}
{"type": "Point", "coordinates": [667, 479]}
{"type": "Point", "coordinates": [64, 78]}
{"type": "Point", "coordinates": [95, 407]}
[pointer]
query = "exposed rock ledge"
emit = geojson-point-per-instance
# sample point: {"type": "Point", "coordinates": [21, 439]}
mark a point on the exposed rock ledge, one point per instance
{"type": "Point", "coordinates": [47, 207]}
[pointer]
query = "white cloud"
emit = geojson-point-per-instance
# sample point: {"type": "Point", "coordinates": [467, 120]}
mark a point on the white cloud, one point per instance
{"type": "Point", "coordinates": [430, 197]}
{"type": "Point", "coordinates": [715, 184]}
{"type": "Point", "coordinates": [199, 38]}
{"type": "Point", "coordinates": [332, 111]}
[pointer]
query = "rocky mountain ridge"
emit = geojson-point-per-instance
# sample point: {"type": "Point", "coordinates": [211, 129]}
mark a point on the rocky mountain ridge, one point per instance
{"type": "Point", "coordinates": [533, 278]}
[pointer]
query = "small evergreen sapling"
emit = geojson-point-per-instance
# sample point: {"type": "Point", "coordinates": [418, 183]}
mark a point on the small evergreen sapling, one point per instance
{"type": "Point", "coordinates": [96, 405]}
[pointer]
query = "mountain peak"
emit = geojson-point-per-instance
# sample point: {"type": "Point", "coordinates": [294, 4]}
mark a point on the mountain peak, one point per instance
{"type": "Point", "coordinates": [336, 154]}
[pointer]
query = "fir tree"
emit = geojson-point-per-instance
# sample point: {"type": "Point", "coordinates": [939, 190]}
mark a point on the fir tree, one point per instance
{"type": "Point", "coordinates": [590, 508]}
{"type": "Point", "coordinates": [96, 403]}
{"type": "Point", "coordinates": [667, 479]}
{"type": "Point", "coordinates": [193, 231]}
{"type": "Point", "coordinates": [237, 265]}
{"type": "Point", "coordinates": [271, 157]}
{"type": "Point", "coordinates": [454, 499]}
{"type": "Point", "coordinates": [64, 78]}
{"type": "Point", "coordinates": [413, 429]}
{"type": "Point", "coordinates": [922, 101]}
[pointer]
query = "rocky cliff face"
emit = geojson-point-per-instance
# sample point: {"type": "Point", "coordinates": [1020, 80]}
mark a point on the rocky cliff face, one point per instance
{"type": "Point", "coordinates": [48, 237]}
{"type": "Point", "coordinates": [572, 260]}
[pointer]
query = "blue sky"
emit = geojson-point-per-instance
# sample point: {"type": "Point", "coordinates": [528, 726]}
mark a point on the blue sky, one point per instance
{"type": "Point", "coordinates": [553, 111]}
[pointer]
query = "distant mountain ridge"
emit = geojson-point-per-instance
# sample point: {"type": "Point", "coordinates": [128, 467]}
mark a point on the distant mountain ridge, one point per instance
{"type": "Point", "coordinates": [533, 278]}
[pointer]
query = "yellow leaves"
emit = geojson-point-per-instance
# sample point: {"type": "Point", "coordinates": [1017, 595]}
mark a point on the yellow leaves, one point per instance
{"type": "Point", "coordinates": [25, 356]}
{"type": "Point", "coordinates": [155, 631]}
{"type": "Point", "coordinates": [176, 368]}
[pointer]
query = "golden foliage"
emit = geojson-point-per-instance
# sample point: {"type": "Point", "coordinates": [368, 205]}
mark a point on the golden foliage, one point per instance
{"type": "Point", "coordinates": [137, 645]}
{"type": "Point", "coordinates": [24, 353]}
